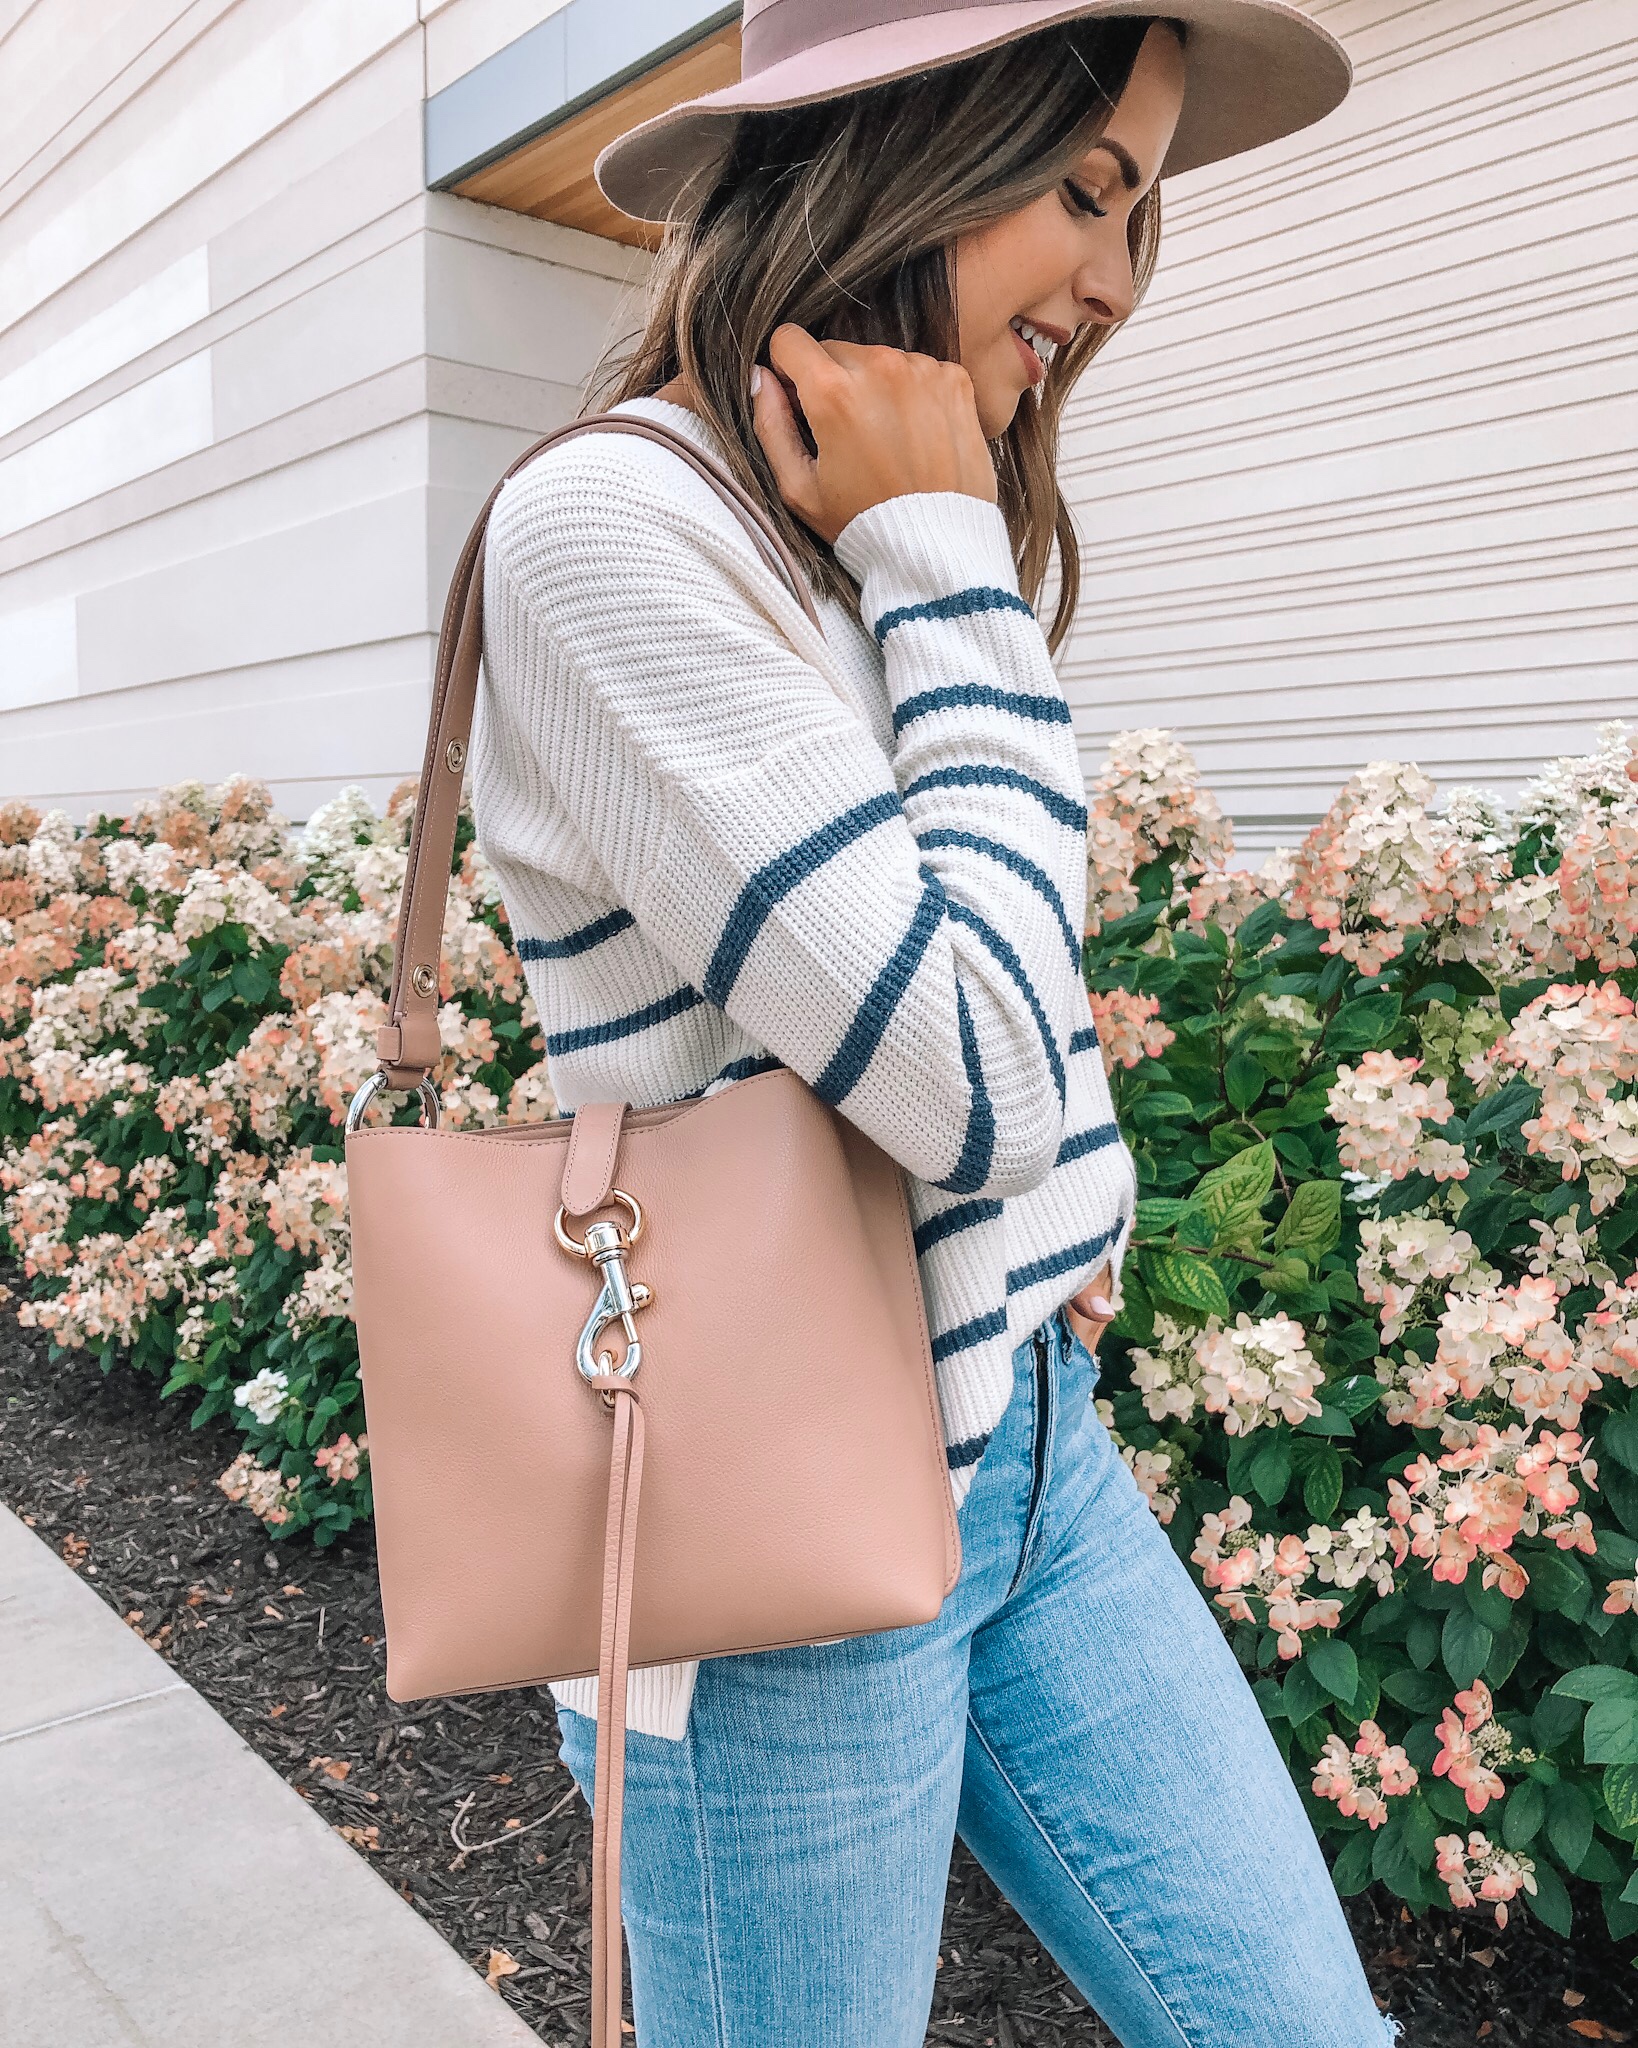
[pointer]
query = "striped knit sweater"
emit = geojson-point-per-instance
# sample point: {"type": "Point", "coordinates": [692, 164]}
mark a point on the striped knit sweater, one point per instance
{"type": "Point", "coordinates": [727, 841]}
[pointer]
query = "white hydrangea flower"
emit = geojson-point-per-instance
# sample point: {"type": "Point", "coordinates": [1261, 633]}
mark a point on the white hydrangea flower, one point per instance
{"type": "Point", "coordinates": [264, 1395]}
{"type": "Point", "coordinates": [218, 896]}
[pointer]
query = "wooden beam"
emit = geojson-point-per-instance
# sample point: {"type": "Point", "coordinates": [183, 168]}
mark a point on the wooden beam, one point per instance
{"type": "Point", "coordinates": [551, 177]}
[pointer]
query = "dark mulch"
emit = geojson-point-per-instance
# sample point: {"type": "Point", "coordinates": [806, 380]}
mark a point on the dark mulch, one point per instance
{"type": "Point", "coordinates": [463, 1806]}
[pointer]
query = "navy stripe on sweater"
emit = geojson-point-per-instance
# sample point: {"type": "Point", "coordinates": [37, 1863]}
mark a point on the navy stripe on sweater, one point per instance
{"type": "Point", "coordinates": [1083, 1142]}
{"type": "Point", "coordinates": [579, 941]}
{"type": "Point", "coordinates": [979, 1329]}
{"type": "Point", "coordinates": [965, 1335]}
{"type": "Point", "coordinates": [978, 1143]}
{"type": "Point", "coordinates": [981, 775]}
{"type": "Point", "coordinates": [959, 1216]}
{"type": "Point", "coordinates": [845, 1067]}
{"type": "Point", "coordinates": [1015, 863]}
{"type": "Point", "coordinates": [774, 881]}
{"type": "Point", "coordinates": [1064, 1261]}
{"type": "Point", "coordinates": [981, 696]}
{"type": "Point", "coordinates": [1084, 1040]}
{"type": "Point", "coordinates": [960, 604]}
{"type": "Point", "coordinates": [964, 914]}
{"type": "Point", "coordinates": [967, 1452]}
{"type": "Point", "coordinates": [659, 1012]}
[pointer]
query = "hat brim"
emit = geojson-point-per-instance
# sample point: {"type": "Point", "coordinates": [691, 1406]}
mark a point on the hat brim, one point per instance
{"type": "Point", "coordinates": [1256, 70]}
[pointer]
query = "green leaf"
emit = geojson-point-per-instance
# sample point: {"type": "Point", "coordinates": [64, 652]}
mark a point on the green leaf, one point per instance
{"type": "Point", "coordinates": [1511, 1644]}
{"type": "Point", "coordinates": [1620, 1917]}
{"type": "Point", "coordinates": [1523, 1815]}
{"type": "Point", "coordinates": [1336, 1667]}
{"type": "Point", "coordinates": [1558, 1585]}
{"type": "Point", "coordinates": [1393, 1863]}
{"type": "Point", "coordinates": [1271, 1470]}
{"type": "Point", "coordinates": [1621, 1794]}
{"type": "Point", "coordinates": [1420, 1691]}
{"type": "Point", "coordinates": [1238, 1185]}
{"type": "Point", "coordinates": [1351, 1872]}
{"type": "Point", "coordinates": [1186, 1281]}
{"type": "Point", "coordinates": [1609, 1735]}
{"type": "Point", "coordinates": [1256, 930]}
{"type": "Point", "coordinates": [251, 980]}
{"type": "Point", "coordinates": [1162, 1105]}
{"type": "Point", "coordinates": [1618, 1438]}
{"type": "Point", "coordinates": [1312, 1223]}
{"type": "Point", "coordinates": [1322, 1488]}
{"type": "Point", "coordinates": [1465, 1645]}
{"type": "Point", "coordinates": [1157, 1212]}
{"type": "Point", "coordinates": [1364, 1022]}
{"type": "Point", "coordinates": [1288, 1275]}
{"type": "Point", "coordinates": [1422, 1641]}
{"type": "Point", "coordinates": [1489, 1603]}
{"type": "Point", "coordinates": [1550, 1902]}
{"type": "Point", "coordinates": [1302, 1693]}
{"type": "Point", "coordinates": [1244, 1080]}
{"type": "Point", "coordinates": [1503, 1111]}
{"type": "Point", "coordinates": [1569, 1823]}
{"type": "Point", "coordinates": [1554, 1721]}
{"type": "Point", "coordinates": [1598, 1682]}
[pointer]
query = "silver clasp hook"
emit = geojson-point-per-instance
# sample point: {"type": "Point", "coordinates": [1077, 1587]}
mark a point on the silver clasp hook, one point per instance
{"type": "Point", "coordinates": [606, 1245]}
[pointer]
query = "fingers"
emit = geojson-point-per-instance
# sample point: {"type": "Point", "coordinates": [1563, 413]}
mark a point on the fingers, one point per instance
{"type": "Point", "coordinates": [797, 356]}
{"type": "Point", "coordinates": [794, 469]}
{"type": "Point", "coordinates": [1093, 1309]}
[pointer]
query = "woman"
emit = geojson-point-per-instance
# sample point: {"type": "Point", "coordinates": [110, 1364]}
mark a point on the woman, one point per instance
{"type": "Point", "coordinates": [727, 840]}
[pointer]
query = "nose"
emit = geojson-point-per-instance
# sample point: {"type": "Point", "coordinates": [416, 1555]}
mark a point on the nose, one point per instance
{"type": "Point", "coordinates": [1103, 286]}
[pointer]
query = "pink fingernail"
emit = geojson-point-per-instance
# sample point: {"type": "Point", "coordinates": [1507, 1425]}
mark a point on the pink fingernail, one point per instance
{"type": "Point", "coordinates": [756, 380]}
{"type": "Point", "coordinates": [1101, 1307]}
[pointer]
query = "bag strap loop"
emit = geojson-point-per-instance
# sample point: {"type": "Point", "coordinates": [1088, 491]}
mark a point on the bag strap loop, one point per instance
{"type": "Point", "coordinates": [408, 1044]}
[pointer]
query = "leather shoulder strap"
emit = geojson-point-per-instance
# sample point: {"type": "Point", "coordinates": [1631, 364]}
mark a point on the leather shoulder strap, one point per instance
{"type": "Point", "coordinates": [407, 1043]}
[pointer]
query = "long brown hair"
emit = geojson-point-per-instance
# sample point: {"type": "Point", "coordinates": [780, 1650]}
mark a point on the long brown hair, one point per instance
{"type": "Point", "coordinates": [841, 215]}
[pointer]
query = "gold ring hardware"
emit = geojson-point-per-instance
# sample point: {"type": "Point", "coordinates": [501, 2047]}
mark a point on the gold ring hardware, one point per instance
{"type": "Point", "coordinates": [424, 980]}
{"type": "Point", "coordinates": [628, 1237]}
{"type": "Point", "coordinates": [455, 756]}
{"type": "Point", "coordinates": [618, 1300]}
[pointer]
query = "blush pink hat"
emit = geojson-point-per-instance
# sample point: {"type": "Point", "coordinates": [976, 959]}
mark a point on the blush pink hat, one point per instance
{"type": "Point", "coordinates": [1255, 69]}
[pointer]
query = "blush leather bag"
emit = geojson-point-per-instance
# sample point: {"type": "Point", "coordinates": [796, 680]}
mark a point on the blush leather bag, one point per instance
{"type": "Point", "coordinates": [768, 1399]}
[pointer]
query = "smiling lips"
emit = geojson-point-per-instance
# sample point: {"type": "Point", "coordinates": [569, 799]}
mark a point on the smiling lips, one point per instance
{"type": "Point", "coordinates": [1037, 346]}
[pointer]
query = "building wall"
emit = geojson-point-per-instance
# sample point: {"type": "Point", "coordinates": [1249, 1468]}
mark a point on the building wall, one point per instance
{"type": "Point", "coordinates": [254, 385]}
{"type": "Point", "coordinates": [1358, 481]}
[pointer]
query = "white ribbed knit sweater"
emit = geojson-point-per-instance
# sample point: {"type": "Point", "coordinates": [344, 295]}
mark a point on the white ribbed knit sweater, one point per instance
{"type": "Point", "coordinates": [725, 840]}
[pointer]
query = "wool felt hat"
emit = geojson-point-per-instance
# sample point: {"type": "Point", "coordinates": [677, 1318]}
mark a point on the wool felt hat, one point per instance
{"type": "Point", "coordinates": [1254, 70]}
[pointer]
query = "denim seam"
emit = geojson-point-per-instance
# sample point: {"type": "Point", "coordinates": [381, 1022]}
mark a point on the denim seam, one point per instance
{"type": "Point", "coordinates": [1039, 1481]}
{"type": "Point", "coordinates": [708, 1912]}
{"type": "Point", "coordinates": [1053, 1850]}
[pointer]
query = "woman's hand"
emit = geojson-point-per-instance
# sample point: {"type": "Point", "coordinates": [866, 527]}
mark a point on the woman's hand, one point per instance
{"type": "Point", "coordinates": [1092, 1310]}
{"type": "Point", "coordinates": [884, 423]}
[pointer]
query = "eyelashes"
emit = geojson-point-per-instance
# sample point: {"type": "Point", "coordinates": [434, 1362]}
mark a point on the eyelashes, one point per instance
{"type": "Point", "coordinates": [1083, 201]}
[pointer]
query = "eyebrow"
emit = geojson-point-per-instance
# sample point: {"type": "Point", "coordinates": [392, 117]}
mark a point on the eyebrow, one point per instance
{"type": "Point", "coordinates": [1131, 170]}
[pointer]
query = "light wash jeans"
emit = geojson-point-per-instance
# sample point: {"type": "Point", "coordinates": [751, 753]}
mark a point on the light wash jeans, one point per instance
{"type": "Point", "coordinates": [1074, 1712]}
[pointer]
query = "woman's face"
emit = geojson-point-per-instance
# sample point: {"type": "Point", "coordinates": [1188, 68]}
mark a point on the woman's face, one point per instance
{"type": "Point", "coordinates": [1026, 282]}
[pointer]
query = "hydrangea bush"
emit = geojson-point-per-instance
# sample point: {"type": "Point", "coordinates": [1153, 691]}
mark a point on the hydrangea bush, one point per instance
{"type": "Point", "coordinates": [1376, 1361]}
{"type": "Point", "coordinates": [188, 999]}
{"type": "Point", "coordinates": [1376, 1367]}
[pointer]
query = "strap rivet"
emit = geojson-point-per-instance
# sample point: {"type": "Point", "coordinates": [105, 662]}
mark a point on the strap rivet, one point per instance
{"type": "Point", "coordinates": [424, 981]}
{"type": "Point", "coordinates": [455, 756]}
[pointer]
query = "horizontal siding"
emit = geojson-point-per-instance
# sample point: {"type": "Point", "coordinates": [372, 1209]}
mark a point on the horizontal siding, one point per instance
{"type": "Point", "coordinates": [248, 411]}
{"type": "Point", "coordinates": [1357, 482]}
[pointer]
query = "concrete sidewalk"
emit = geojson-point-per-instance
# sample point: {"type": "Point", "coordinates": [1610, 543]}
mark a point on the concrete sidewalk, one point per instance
{"type": "Point", "coordinates": [161, 1886]}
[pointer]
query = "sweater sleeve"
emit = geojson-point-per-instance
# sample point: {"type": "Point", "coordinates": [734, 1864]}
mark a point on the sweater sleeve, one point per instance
{"type": "Point", "coordinates": [902, 932]}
